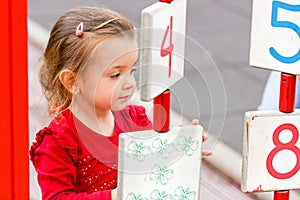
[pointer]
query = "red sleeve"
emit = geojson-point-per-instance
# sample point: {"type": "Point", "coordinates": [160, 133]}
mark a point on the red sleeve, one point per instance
{"type": "Point", "coordinates": [57, 172]}
{"type": "Point", "coordinates": [139, 116]}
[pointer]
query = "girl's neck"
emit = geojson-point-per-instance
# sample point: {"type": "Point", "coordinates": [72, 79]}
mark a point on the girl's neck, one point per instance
{"type": "Point", "coordinates": [100, 121]}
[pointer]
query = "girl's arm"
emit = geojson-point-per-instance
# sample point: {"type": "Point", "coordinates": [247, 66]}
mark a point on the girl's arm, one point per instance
{"type": "Point", "coordinates": [57, 172]}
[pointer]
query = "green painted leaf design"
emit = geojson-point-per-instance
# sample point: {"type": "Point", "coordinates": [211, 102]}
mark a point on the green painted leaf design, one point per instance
{"type": "Point", "coordinates": [132, 196]}
{"type": "Point", "coordinates": [157, 195]}
{"type": "Point", "coordinates": [137, 151]}
{"type": "Point", "coordinates": [184, 194]}
{"type": "Point", "coordinates": [187, 145]}
{"type": "Point", "coordinates": [162, 148]}
{"type": "Point", "coordinates": [160, 174]}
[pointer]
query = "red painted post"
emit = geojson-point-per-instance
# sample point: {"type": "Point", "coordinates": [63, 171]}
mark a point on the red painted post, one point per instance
{"type": "Point", "coordinates": [166, 1]}
{"type": "Point", "coordinates": [287, 92]}
{"type": "Point", "coordinates": [14, 170]}
{"type": "Point", "coordinates": [286, 104]}
{"type": "Point", "coordinates": [161, 112]}
{"type": "Point", "coordinates": [161, 103]}
{"type": "Point", "coordinates": [281, 195]}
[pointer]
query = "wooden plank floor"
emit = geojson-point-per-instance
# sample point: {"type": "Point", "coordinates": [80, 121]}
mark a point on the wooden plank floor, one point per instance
{"type": "Point", "coordinates": [214, 185]}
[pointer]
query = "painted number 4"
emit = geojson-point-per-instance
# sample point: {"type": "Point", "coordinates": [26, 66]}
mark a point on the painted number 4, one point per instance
{"type": "Point", "coordinates": [165, 51]}
{"type": "Point", "coordinates": [279, 146]}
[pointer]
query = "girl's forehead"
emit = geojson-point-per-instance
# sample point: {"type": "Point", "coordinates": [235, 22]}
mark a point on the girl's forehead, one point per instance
{"type": "Point", "coordinates": [114, 51]}
{"type": "Point", "coordinates": [115, 48]}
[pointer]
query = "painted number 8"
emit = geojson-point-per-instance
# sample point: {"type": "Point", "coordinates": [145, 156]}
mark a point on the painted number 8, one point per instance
{"type": "Point", "coordinates": [279, 146]}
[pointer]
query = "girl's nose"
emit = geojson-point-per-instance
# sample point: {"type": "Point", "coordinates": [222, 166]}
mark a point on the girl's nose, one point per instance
{"type": "Point", "coordinates": [129, 81]}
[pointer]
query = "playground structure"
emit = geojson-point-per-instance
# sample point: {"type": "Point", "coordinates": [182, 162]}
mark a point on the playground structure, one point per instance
{"type": "Point", "coordinates": [20, 144]}
{"type": "Point", "coordinates": [14, 180]}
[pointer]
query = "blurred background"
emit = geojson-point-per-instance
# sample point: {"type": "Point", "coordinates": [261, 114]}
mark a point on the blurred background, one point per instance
{"type": "Point", "coordinates": [217, 29]}
{"type": "Point", "coordinates": [219, 85]}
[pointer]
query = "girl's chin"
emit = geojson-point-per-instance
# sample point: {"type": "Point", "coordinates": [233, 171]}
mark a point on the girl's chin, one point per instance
{"type": "Point", "coordinates": [119, 107]}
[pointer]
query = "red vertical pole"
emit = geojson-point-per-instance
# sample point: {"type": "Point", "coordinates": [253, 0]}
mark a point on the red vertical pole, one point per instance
{"type": "Point", "coordinates": [161, 112]}
{"type": "Point", "coordinates": [287, 92]}
{"type": "Point", "coordinates": [14, 170]}
{"type": "Point", "coordinates": [281, 195]}
{"type": "Point", "coordinates": [166, 1]}
{"type": "Point", "coordinates": [286, 104]}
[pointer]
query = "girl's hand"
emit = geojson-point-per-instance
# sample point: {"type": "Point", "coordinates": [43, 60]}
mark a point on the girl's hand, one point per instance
{"type": "Point", "coordinates": [204, 138]}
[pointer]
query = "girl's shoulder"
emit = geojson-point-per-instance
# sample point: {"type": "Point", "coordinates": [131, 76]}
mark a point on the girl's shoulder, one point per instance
{"type": "Point", "coordinates": [60, 133]}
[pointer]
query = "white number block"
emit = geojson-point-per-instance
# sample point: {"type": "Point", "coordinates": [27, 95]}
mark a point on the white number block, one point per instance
{"type": "Point", "coordinates": [160, 165]}
{"type": "Point", "coordinates": [162, 47]}
{"type": "Point", "coordinates": [275, 35]}
{"type": "Point", "coordinates": [271, 154]}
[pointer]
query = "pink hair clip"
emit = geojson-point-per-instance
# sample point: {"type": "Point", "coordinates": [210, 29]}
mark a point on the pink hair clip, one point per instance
{"type": "Point", "coordinates": [79, 30]}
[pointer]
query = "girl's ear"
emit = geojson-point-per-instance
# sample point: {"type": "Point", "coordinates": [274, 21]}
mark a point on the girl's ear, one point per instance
{"type": "Point", "coordinates": [68, 78]}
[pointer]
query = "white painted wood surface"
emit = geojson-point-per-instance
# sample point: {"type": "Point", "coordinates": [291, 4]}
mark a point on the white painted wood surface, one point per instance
{"type": "Point", "coordinates": [275, 30]}
{"type": "Point", "coordinates": [160, 165]}
{"type": "Point", "coordinates": [271, 154]}
{"type": "Point", "coordinates": [163, 25]}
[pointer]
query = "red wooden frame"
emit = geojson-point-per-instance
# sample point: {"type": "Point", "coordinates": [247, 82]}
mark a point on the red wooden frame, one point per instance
{"type": "Point", "coordinates": [14, 170]}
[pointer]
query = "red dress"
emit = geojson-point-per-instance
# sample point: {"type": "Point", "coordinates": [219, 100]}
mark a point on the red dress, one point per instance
{"type": "Point", "coordinates": [73, 162]}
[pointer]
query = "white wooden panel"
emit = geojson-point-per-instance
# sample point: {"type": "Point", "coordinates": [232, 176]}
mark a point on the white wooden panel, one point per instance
{"type": "Point", "coordinates": [271, 155]}
{"type": "Point", "coordinates": [160, 165]}
{"type": "Point", "coordinates": [159, 72]}
{"type": "Point", "coordinates": [275, 42]}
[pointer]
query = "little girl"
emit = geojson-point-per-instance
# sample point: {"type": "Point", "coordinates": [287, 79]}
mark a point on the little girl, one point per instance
{"type": "Point", "coordinates": [87, 78]}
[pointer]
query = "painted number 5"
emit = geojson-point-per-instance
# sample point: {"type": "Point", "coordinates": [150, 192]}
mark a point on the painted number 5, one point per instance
{"type": "Point", "coordinates": [284, 24]}
{"type": "Point", "coordinates": [279, 146]}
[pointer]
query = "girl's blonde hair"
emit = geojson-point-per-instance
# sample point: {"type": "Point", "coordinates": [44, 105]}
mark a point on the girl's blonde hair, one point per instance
{"type": "Point", "coordinates": [65, 50]}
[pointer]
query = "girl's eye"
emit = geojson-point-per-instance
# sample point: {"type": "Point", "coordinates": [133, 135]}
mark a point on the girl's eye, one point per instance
{"type": "Point", "coordinates": [115, 76]}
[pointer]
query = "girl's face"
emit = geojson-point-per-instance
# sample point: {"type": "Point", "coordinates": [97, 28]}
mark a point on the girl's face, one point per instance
{"type": "Point", "coordinates": [107, 81]}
